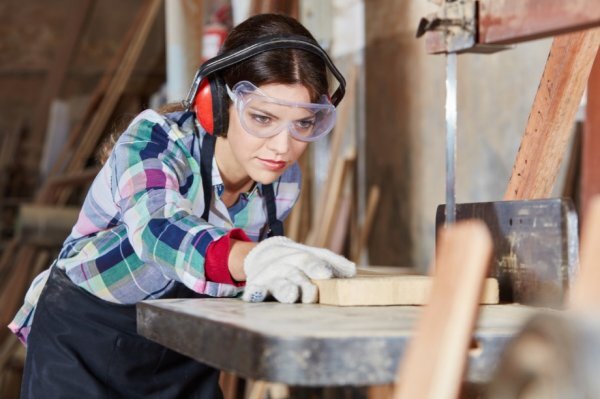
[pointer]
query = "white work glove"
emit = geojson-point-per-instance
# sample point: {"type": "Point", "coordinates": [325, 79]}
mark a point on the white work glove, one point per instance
{"type": "Point", "coordinates": [283, 268]}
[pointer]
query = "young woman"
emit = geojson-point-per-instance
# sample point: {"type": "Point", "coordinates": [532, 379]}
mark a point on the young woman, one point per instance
{"type": "Point", "coordinates": [178, 211]}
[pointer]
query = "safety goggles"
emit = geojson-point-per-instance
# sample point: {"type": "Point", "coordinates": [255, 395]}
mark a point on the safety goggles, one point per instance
{"type": "Point", "coordinates": [264, 116]}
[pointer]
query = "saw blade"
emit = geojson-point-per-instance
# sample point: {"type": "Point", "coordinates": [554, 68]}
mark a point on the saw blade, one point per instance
{"type": "Point", "coordinates": [450, 138]}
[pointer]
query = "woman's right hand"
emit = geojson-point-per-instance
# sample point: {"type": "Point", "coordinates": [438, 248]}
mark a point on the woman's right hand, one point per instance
{"type": "Point", "coordinates": [283, 268]}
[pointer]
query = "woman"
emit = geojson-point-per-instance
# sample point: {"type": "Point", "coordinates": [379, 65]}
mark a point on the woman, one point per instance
{"type": "Point", "coordinates": [177, 211]}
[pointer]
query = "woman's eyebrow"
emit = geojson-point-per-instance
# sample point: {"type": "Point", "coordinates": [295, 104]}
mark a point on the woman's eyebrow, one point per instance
{"type": "Point", "coordinates": [264, 112]}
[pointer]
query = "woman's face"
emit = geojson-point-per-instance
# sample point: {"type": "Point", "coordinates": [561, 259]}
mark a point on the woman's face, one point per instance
{"type": "Point", "coordinates": [265, 159]}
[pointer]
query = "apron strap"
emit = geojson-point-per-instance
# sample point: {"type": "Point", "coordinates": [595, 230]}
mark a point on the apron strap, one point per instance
{"type": "Point", "coordinates": [206, 156]}
{"type": "Point", "coordinates": [207, 152]}
{"type": "Point", "coordinates": [275, 225]}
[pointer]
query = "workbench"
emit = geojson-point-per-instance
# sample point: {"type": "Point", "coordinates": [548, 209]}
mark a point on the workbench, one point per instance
{"type": "Point", "coordinates": [311, 344]}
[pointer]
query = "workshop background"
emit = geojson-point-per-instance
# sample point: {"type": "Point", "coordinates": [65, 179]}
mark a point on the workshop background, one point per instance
{"type": "Point", "coordinates": [391, 134]}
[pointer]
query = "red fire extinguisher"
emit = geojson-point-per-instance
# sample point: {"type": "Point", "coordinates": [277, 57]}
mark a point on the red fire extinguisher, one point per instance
{"type": "Point", "coordinates": [215, 32]}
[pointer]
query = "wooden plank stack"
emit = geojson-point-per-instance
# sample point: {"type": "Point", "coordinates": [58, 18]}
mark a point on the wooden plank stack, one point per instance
{"type": "Point", "coordinates": [22, 260]}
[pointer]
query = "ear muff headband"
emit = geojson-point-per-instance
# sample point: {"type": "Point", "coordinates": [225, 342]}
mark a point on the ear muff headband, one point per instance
{"type": "Point", "coordinates": [233, 57]}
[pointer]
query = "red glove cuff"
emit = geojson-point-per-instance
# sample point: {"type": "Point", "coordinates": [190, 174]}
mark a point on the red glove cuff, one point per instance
{"type": "Point", "coordinates": [216, 268]}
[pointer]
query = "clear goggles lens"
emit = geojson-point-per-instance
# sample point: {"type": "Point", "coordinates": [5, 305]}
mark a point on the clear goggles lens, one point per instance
{"type": "Point", "coordinates": [264, 116]}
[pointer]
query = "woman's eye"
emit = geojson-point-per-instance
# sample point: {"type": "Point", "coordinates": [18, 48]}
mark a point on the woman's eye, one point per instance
{"type": "Point", "coordinates": [306, 124]}
{"type": "Point", "coordinates": [262, 119]}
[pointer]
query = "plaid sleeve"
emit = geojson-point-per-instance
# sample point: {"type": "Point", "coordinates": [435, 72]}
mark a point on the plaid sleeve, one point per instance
{"type": "Point", "coordinates": [150, 169]}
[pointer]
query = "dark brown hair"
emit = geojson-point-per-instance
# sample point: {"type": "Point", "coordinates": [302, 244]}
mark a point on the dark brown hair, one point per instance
{"type": "Point", "coordinates": [286, 66]}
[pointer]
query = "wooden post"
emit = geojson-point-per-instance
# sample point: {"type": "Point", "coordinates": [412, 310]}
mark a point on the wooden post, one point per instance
{"type": "Point", "coordinates": [590, 149]}
{"type": "Point", "coordinates": [586, 289]}
{"type": "Point", "coordinates": [551, 118]}
{"type": "Point", "coordinates": [435, 361]}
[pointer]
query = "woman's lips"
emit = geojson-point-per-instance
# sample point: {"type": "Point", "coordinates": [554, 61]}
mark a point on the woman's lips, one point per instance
{"type": "Point", "coordinates": [271, 164]}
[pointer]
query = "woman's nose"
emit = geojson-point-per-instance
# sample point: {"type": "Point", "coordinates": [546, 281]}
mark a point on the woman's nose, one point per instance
{"type": "Point", "coordinates": [280, 143]}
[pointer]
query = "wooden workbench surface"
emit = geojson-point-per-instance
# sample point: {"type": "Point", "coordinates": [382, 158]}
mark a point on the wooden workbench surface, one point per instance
{"type": "Point", "coordinates": [310, 345]}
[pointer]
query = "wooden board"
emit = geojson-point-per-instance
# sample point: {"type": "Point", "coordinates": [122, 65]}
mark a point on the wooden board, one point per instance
{"type": "Point", "coordinates": [378, 290]}
{"type": "Point", "coordinates": [438, 353]}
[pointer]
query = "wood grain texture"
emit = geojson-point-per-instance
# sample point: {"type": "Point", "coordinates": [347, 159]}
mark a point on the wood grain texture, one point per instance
{"type": "Point", "coordinates": [551, 118]}
{"type": "Point", "coordinates": [437, 355]}
{"type": "Point", "coordinates": [509, 21]}
{"type": "Point", "coordinates": [377, 290]}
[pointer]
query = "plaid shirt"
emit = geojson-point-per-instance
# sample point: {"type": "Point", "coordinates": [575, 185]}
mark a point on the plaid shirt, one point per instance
{"type": "Point", "coordinates": [140, 231]}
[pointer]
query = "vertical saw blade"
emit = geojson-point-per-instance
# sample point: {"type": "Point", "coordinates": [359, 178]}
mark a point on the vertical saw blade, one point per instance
{"type": "Point", "coordinates": [450, 138]}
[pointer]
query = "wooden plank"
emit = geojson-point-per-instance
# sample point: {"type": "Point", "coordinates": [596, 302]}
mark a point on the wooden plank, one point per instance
{"type": "Point", "coordinates": [590, 149]}
{"type": "Point", "coordinates": [437, 354]}
{"type": "Point", "coordinates": [117, 85]}
{"type": "Point", "coordinates": [94, 131]}
{"type": "Point", "coordinates": [85, 176]}
{"type": "Point", "coordinates": [510, 21]}
{"type": "Point", "coordinates": [45, 225]}
{"type": "Point", "coordinates": [586, 289]}
{"type": "Point", "coordinates": [339, 231]}
{"type": "Point", "coordinates": [377, 290]}
{"type": "Point", "coordinates": [14, 287]}
{"type": "Point", "coordinates": [47, 194]}
{"type": "Point", "coordinates": [551, 118]}
{"type": "Point", "coordinates": [316, 235]}
{"type": "Point", "coordinates": [334, 191]}
{"type": "Point", "coordinates": [56, 76]}
{"type": "Point", "coordinates": [365, 229]}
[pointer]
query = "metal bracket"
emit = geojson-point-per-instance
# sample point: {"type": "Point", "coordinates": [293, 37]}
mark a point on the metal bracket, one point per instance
{"type": "Point", "coordinates": [454, 29]}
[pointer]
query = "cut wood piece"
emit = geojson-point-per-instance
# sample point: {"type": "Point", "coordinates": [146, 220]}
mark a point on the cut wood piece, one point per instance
{"type": "Point", "coordinates": [377, 290]}
{"type": "Point", "coordinates": [435, 360]}
{"type": "Point", "coordinates": [551, 118]}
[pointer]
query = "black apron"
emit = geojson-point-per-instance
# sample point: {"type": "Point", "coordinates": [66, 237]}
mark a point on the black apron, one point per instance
{"type": "Point", "coordinates": [81, 346]}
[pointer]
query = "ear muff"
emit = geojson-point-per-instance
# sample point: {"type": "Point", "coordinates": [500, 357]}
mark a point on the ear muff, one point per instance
{"type": "Point", "coordinates": [211, 105]}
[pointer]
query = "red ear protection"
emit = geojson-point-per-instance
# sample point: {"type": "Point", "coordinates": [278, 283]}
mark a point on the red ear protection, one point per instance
{"type": "Point", "coordinates": [203, 107]}
{"type": "Point", "coordinates": [211, 105]}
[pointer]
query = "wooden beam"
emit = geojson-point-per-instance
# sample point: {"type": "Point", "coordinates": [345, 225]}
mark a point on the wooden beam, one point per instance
{"type": "Point", "coordinates": [514, 21]}
{"type": "Point", "coordinates": [74, 179]}
{"type": "Point", "coordinates": [56, 76]}
{"type": "Point", "coordinates": [144, 22]}
{"type": "Point", "coordinates": [551, 118]}
{"type": "Point", "coordinates": [437, 354]}
{"type": "Point", "coordinates": [490, 25]}
{"type": "Point", "coordinates": [590, 149]}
